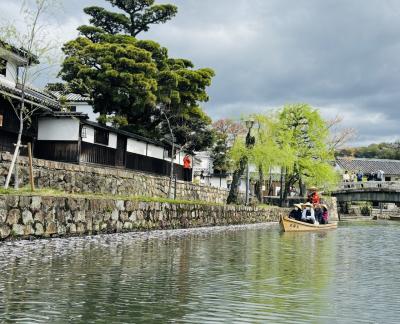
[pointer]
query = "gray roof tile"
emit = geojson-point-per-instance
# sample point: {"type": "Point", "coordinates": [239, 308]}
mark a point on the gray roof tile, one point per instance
{"type": "Point", "coordinates": [369, 165]}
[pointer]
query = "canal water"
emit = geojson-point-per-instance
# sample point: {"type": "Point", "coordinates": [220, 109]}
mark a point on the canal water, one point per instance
{"type": "Point", "coordinates": [245, 274]}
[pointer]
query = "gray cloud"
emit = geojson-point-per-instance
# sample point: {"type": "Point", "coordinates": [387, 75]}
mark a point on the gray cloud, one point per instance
{"type": "Point", "coordinates": [341, 56]}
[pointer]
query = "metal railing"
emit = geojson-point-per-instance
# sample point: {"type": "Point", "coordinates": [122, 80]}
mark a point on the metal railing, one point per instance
{"type": "Point", "coordinates": [369, 185]}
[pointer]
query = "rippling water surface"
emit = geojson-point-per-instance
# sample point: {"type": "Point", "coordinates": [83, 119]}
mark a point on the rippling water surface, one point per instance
{"type": "Point", "coordinates": [247, 274]}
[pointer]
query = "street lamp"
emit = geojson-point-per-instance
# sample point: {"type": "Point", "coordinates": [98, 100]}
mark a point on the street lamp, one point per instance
{"type": "Point", "coordinates": [249, 143]}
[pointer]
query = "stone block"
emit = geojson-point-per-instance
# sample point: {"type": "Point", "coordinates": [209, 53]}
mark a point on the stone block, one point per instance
{"type": "Point", "coordinates": [5, 231]}
{"type": "Point", "coordinates": [39, 230]}
{"type": "Point", "coordinates": [28, 230]}
{"type": "Point", "coordinates": [115, 215]}
{"type": "Point", "coordinates": [12, 201]}
{"type": "Point", "coordinates": [24, 201]}
{"type": "Point", "coordinates": [124, 216]}
{"type": "Point", "coordinates": [51, 228]}
{"type": "Point", "coordinates": [3, 215]}
{"type": "Point", "coordinates": [79, 216]}
{"type": "Point", "coordinates": [13, 217]}
{"type": "Point", "coordinates": [71, 228]}
{"type": "Point", "coordinates": [27, 217]}
{"type": "Point", "coordinates": [18, 230]}
{"type": "Point", "coordinates": [36, 203]}
{"type": "Point", "coordinates": [80, 228]}
{"type": "Point", "coordinates": [120, 205]}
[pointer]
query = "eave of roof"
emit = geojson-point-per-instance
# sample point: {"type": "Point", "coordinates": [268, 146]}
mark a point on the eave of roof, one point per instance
{"type": "Point", "coordinates": [33, 96]}
{"type": "Point", "coordinates": [70, 97]}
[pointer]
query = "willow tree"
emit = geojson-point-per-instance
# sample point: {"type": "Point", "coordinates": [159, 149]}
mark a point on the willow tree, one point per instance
{"type": "Point", "coordinates": [304, 135]}
{"type": "Point", "coordinates": [295, 139]}
{"type": "Point", "coordinates": [264, 152]}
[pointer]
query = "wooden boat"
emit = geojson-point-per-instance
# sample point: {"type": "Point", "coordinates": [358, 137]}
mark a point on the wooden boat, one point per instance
{"type": "Point", "coordinates": [395, 218]}
{"type": "Point", "coordinates": [292, 225]}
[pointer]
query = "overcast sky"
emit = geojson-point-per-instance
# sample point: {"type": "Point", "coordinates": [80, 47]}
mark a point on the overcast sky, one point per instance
{"type": "Point", "coordinates": [341, 56]}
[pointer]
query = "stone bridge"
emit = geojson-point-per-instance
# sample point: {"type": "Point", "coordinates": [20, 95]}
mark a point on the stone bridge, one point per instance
{"type": "Point", "coordinates": [386, 192]}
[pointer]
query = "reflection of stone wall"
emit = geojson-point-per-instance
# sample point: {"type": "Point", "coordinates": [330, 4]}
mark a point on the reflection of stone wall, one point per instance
{"type": "Point", "coordinates": [81, 178]}
{"type": "Point", "coordinates": [24, 216]}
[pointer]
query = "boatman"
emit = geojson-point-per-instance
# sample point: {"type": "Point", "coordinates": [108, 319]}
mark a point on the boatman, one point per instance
{"type": "Point", "coordinates": [313, 196]}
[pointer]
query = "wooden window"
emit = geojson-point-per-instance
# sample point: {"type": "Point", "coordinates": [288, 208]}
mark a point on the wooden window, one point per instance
{"type": "Point", "coordinates": [3, 66]}
{"type": "Point", "coordinates": [83, 132]}
{"type": "Point", "coordinates": [101, 136]}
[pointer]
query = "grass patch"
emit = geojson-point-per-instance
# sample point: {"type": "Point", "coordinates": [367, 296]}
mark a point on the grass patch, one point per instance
{"type": "Point", "coordinates": [25, 191]}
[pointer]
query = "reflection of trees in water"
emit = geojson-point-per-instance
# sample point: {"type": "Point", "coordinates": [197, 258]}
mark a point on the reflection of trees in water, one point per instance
{"type": "Point", "coordinates": [173, 277]}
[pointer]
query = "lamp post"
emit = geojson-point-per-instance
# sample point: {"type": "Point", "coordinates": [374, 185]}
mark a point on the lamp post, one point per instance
{"type": "Point", "coordinates": [249, 143]}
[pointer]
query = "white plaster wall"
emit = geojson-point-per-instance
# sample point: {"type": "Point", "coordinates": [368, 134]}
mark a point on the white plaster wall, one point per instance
{"type": "Point", "coordinates": [155, 151]}
{"type": "Point", "coordinates": [85, 109]}
{"type": "Point", "coordinates": [137, 147]}
{"type": "Point", "coordinates": [218, 183]}
{"type": "Point", "coordinates": [60, 129]}
{"type": "Point", "coordinates": [112, 140]}
{"type": "Point", "coordinates": [11, 73]}
{"type": "Point", "coordinates": [89, 135]}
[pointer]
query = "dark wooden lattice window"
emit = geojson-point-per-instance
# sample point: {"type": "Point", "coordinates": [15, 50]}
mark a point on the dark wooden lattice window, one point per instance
{"type": "Point", "coordinates": [101, 136]}
{"type": "Point", "coordinates": [3, 66]}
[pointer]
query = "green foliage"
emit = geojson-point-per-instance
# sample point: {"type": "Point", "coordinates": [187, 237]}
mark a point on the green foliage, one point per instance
{"type": "Point", "coordinates": [389, 151]}
{"type": "Point", "coordinates": [134, 79]}
{"type": "Point", "coordinates": [137, 16]}
{"type": "Point", "coordinates": [295, 138]}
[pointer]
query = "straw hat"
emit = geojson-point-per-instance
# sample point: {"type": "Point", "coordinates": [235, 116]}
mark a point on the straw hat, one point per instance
{"type": "Point", "coordinates": [298, 206]}
{"type": "Point", "coordinates": [313, 188]}
{"type": "Point", "coordinates": [325, 206]}
{"type": "Point", "coordinates": [308, 204]}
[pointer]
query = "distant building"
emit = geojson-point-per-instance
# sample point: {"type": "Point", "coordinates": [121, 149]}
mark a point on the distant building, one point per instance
{"type": "Point", "coordinates": [11, 61]}
{"type": "Point", "coordinates": [391, 168]}
{"type": "Point", "coordinates": [77, 103]}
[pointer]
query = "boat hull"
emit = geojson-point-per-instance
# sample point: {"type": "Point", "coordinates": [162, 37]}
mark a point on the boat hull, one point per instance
{"type": "Point", "coordinates": [291, 225]}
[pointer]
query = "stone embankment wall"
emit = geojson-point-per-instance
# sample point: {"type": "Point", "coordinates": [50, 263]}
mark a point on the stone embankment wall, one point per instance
{"type": "Point", "coordinates": [39, 216]}
{"type": "Point", "coordinates": [87, 179]}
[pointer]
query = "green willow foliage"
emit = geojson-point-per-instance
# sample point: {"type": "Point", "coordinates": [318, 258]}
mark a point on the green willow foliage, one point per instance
{"type": "Point", "coordinates": [294, 138]}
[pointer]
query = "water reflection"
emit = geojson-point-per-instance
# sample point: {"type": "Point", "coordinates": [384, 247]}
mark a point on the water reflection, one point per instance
{"type": "Point", "coordinates": [244, 274]}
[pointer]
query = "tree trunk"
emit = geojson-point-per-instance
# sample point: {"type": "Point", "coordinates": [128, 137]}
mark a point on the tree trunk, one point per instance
{"type": "Point", "coordinates": [259, 185]}
{"type": "Point", "coordinates": [171, 172]}
{"type": "Point", "coordinates": [17, 147]}
{"type": "Point", "coordinates": [281, 189]}
{"type": "Point", "coordinates": [234, 191]}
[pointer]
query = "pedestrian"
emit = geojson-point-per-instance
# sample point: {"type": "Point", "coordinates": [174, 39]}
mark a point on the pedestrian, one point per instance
{"type": "Point", "coordinates": [359, 176]}
{"type": "Point", "coordinates": [187, 168]}
{"type": "Point", "coordinates": [346, 176]}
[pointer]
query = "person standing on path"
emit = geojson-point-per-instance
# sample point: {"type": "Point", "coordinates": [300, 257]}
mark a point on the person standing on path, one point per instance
{"type": "Point", "coordinates": [187, 168]}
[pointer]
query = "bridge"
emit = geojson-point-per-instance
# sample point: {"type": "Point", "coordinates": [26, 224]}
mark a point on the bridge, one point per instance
{"type": "Point", "coordinates": [386, 192]}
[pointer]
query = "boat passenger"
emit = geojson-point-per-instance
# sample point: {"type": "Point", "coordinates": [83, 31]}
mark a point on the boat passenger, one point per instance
{"type": "Point", "coordinates": [296, 212]}
{"type": "Point", "coordinates": [318, 212]}
{"type": "Point", "coordinates": [308, 214]}
{"type": "Point", "coordinates": [325, 214]}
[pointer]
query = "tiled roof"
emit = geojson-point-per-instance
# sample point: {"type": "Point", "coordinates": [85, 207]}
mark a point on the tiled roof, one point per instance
{"type": "Point", "coordinates": [66, 114]}
{"type": "Point", "coordinates": [369, 165]}
{"type": "Point", "coordinates": [34, 95]}
{"type": "Point", "coordinates": [70, 97]}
